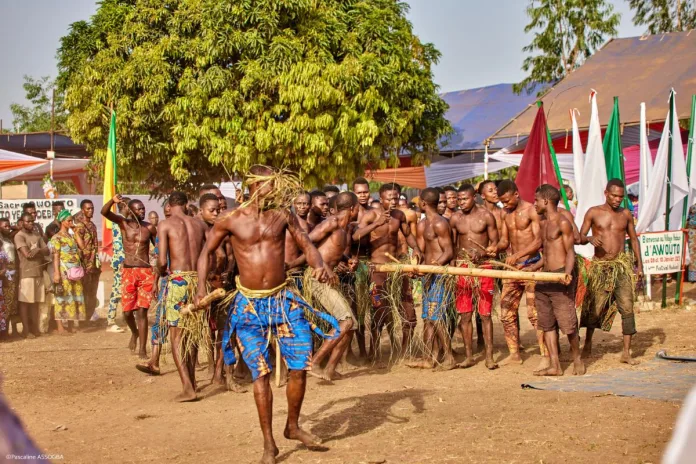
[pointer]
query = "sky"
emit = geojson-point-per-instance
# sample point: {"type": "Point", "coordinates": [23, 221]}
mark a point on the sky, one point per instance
{"type": "Point", "coordinates": [480, 41]}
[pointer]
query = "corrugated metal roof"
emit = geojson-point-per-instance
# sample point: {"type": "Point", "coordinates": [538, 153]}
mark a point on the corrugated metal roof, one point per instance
{"type": "Point", "coordinates": [636, 69]}
{"type": "Point", "coordinates": [475, 114]}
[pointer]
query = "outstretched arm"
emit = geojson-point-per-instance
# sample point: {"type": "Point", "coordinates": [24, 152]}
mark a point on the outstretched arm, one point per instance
{"type": "Point", "coordinates": [635, 245]}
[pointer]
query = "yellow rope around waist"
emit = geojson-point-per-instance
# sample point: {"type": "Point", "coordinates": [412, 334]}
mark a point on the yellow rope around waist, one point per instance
{"type": "Point", "coordinates": [249, 293]}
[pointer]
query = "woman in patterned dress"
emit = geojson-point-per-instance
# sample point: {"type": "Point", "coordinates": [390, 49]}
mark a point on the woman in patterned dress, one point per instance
{"type": "Point", "coordinates": [69, 305]}
{"type": "Point", "coordinates": [3, 309]}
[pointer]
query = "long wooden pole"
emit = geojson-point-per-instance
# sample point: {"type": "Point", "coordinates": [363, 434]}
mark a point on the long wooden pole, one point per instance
{"type": "Point", "coordinates": [669, 185]}
{"type": "Point", "coordinates": [474, 272]}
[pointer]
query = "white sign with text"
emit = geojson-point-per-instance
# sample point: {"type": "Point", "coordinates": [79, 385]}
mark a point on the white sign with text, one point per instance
{"type": "Point", "coordinates": [662, 252]}
{"type": "Point", "coordinates": [12, 209]}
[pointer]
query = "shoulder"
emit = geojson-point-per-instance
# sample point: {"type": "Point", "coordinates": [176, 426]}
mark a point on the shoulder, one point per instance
{"type": "Point", "coordinates": [438, 223]}
{"type": "Point", "coordinates": [485, 213]}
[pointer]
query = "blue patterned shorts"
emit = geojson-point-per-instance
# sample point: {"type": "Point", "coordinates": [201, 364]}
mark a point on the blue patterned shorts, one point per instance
{"type": "Point", "coordinates": [436, 297]}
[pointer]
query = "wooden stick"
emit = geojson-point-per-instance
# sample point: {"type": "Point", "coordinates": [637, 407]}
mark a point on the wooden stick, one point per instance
{"type": "Point", "coordinates": [205, 302]}
{"type": "Point", "coordinates": [279, 363]}
{"type": "Point", "coordinates": [474, 272]}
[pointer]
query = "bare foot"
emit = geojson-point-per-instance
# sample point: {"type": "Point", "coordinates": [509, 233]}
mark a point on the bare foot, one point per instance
{"type": "Point", "coordinates": [549, 372]}
{"type": "Point", "coordinates": [586, 351]}
{"type": "Point", "coordinates": [310, 441]}
{"type": "Point", "coordinates": [544, 364]}
{"type": "Point", "coordinates": [334, 375]}
{"type": "Point", "coordinates": [143, 355]}
{"type": "Point", "coordinates": [133, 343]}
{"type": "Point", "coordinates": [447, 364]}
{"type": "Point", "coordinates": [627, 359]}
{"type": "Point", "coordinates": [491, 365]}
{"type": "Point", "coordinates": [233, 386]}
{"type": "Point", "coordinates": [185, 397]}
{"type": "Point", "coordinates": [514, 358]}
{"type": "Point", "coordinates": [319, 374]}
{"type": "Point", "coordinates": [147, 368]}
{"type": "Point", "coordinates": [269, 455]}
{"type": "Point", "coordinates": [219, 380]}
{"type": "Point", "coordinates": [468, 362]}
{"type": "Point", "coordinates": [578, 367]}
{"type": "Point", "coordinates": [422, 364]}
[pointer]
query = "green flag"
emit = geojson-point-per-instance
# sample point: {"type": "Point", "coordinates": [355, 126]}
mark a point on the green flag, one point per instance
{"type": "Point", "coordinates": [613, 154]}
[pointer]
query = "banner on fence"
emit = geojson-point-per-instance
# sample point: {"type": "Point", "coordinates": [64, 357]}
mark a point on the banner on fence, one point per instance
{"type": "Point", "coordinates": [662, 252]}
{"type": "Point", "coordinates": [12, 209]}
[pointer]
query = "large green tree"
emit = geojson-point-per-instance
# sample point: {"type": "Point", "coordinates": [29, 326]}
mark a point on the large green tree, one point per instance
{"type": "Point", "coordinates": [664, 15]}
{"type": "Point", "coordinates": [36, 117]}
{"type": "Point", "coordinates": [566, 33]}
{"type": "Point", "coordinates": [325, 87]}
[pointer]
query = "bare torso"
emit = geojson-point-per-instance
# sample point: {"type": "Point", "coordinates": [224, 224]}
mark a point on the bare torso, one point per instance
{"type": "Point", "coordinates": [385, 238]}
{"type": "Point", "coordinates": [552, 241]}
{"type": "Point", "coordinates": [333, 247]}
{"type": "Point", "coordinates": [427, 237]}
{"type": "Point", "coordinates": [185, 237]}
{"type": "Point", "coordinates": [519, 226]}
{"type": "Point", "coordinates": [612, 227]}
{"type": "Point", "coordinates": [472, 231]}
{"type": "Point", "coordinates": [137, 236]}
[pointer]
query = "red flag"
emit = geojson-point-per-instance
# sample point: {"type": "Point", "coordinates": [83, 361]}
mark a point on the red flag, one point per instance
{"type": "Point", "coordinates": [536, 167]}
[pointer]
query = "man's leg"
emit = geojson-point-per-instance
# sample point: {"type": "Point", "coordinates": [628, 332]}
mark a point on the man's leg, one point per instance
{"type": "Point", "coordinates": [623, 293]}
{"type": "Point", "coordinates": [409, 314]}
{"type": "Point", "coordinates": [430, 357]}
{"type": "Point", "coordinates": [532, 316]}
{"type": "Point", "coordinates": [129, 317]}
{"type": "Point", "coordinates": [578, 365]}
{"type": "Point", "coordinates": [263, 396]}
{"type": "Point", "coordinates": [554, 368]}
{"type": "Point", "coordinates": [479, 333]}
{"type": "Point", "coordinates": [24, 317]}
{"type": "Point", "coordinates": [182, 366]}
{"type": "Point", "coordinates": [484, 310]}
{"type": "Point", "coordinates": [338, 352]}
{"type": "Point", "coordinates": [35, 319]}
{"type": "Point", "coordinates": [467, 331]}
{"type": "Point", "coordinates": [142, 332]}
{"type": "Point", "coordinates": [381, 313]}
{"type": "Point", "coordinates": [487, 325]}
{"type": "Point", "coordinates": [295, 391]}
{"type": "Point", "coordinates": [509, 305]}
{"type": "Point", "coordinates": [328, 346]}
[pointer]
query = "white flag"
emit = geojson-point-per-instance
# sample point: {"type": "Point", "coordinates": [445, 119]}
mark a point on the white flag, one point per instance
{"type": "Point", "coordinates": [646, 163]}
{"type": "Point", "coordinates": [652, 208]}
{"type": "Point", "coordinates": [594, 175]}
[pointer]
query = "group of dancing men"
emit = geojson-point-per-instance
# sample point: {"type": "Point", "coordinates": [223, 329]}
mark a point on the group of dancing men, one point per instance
{"type": "Point", "coordinates": [272, 255]}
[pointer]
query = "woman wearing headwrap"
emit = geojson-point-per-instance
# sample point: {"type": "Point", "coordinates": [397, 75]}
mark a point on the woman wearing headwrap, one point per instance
{"type": "Point", "coordinates": [69, 301]}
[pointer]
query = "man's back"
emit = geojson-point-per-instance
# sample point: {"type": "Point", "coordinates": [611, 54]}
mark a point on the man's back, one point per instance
{"type": "Point", "coordinates": [185, 237]}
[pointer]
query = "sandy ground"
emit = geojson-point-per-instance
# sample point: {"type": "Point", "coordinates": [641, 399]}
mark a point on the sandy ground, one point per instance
{"type": "Point", "coordinates": [81, 397]}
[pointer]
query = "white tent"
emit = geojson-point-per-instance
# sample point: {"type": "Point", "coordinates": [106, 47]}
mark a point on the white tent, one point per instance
{"type": "Point", "coordinates": [16, 166]}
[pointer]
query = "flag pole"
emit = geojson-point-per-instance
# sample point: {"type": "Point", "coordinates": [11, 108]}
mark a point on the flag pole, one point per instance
{"type": "Point", "coordinates": [689, 160]}
{"type": "Point", "coordinates": [669, 185]}
{"type": "Point", "coordinates": [556, 169]}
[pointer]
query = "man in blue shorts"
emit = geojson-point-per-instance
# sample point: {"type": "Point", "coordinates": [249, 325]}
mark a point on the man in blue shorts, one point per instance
{"type": "Point", "coordinates": [263, 306]}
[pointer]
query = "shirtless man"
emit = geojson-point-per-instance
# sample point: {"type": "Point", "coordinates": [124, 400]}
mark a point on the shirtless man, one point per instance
{"type": "Point", "coordinates": [318, 210]}
{"type": "Point", "coordinates": [435, 239]}
{"type": "Point", "coordinates": [451, 199]}
{"type": "Point", "coordinates": [263, 304]}
{"type": "Point", "coordinates": [359, 248]}
{"type": "Point", "coordinates": [332, 240]}
{"type": "Point", "coordinates": [524, 238]}
{"type": "Point", "coordinates": [382, 224]}
{"type": "Point", "coordinates": [138, 277]}
{"type": "Point", "coordinates": [412, 220]}
{"type": "Point", "coordinates": [301, 205]}
{"type": "Point", "coordinates": [331, 191]}
{"type": "Point", "coordinates": [555, 302]}
{"type": "Point", "coordinates": [441, 203]}
{"type": "Point", "coordinates": [610, 223]}
{"type": "Point", "coordinates": [181, 238]}
{"type": "Point", "coordinates": [475, 234]}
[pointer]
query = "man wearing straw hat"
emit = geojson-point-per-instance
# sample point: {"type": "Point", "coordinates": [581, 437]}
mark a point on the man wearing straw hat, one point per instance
{"type": "Point", "coordinates": [263, 306]}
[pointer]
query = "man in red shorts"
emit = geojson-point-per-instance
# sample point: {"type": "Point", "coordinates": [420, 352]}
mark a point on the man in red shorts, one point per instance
{"type": "Point", "coordinates": [476, 237]}
{"type": "Point", "coordinates": [138, 278]}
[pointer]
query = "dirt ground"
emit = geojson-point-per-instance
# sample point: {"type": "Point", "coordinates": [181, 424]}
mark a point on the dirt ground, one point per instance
{"type": "Point", "coordinates": [81, 397]}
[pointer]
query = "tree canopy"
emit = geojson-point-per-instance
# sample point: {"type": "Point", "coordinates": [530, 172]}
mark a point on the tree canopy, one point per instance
{"type": "Point", "coordinates": [664, 15]}
{"type": "Point", "coordinates": [36, 117]}
{"type": "Point", "coordinates": [208, 87]}
{"type": "Point", "coordinates": [566, 33]}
